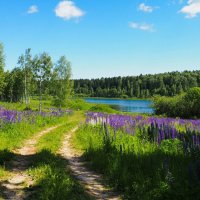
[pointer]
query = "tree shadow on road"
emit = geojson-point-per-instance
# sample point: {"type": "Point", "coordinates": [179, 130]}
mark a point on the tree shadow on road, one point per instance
{"type": "Point", "coordinates": [51, 178]}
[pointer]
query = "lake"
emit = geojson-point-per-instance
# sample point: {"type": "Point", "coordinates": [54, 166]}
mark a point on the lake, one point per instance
{"type": "Point", "coordinates": [135, 106]}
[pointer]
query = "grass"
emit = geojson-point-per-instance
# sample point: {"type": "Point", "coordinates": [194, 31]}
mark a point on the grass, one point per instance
{"type": "Point", "coordinates": [12, 136]}
{"type": "Point", "coordinates": [81, 104]}
{"type": "Point", "coordinates": [34, 105]}
{"type": "Point", "coordinates": [53, 140]}
{"type": "Point", "coordinates": [3, 173]}
{"type": "Point", "coordinates": [74, 104]}
{"type": "Point", "coordinates": [51, 177]}
{"type": "Point", "coordinates": [52, 180]}
{"type": "Point", "coordinates": [138, 168]}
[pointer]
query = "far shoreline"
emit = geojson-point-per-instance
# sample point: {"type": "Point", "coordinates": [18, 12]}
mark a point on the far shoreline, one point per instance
{"type": "Point", "coordinates": [117, 98]}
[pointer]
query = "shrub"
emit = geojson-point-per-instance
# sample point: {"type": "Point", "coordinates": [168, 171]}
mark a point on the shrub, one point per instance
{"type": "Point", "coordinates": [185, 105]}
{"type": "Point", "coordinates": [191, 102]}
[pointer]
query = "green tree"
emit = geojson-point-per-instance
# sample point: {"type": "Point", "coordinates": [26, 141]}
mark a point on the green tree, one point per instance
{"type": "Point", "coordinates": [179, 88]}
{"type": "Point", "coordinates": [14, 83]}
{"type": "Point", "coordinates": [191, 100]}
{"type": "Point", "coordinates": [42, 65]}
{"type": "Point", "coordinates": [25, 62]}
{"type": "Point", "coordinates": [63, 85]}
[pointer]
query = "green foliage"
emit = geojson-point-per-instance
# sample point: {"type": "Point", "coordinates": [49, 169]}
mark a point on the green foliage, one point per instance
{"type": "Point", "coordinates": [81, 104]}
{"type": "Point", "coordinates": [35, 76]}
{"type": "Point", "coordinates": [77, 104]}
{"type": "Point", "coordinates": [102, 108]}
{"type": "Point", "coordinates": [42, 66]}
{"type": "Point", "coordinates": [138, 168]}
{"type": "Point", "coordinates": [14, 86]}
{"type": "Point", "coordinates": [33, 105]}
{"type": "Point", "coordinates": [62, 79]}
{"type": "Point", "coordinates": [25, 62]}
{"type": "Point", "coordinates": [166, 105]}
{"type": "Point", "coordinates": [143, 86]}
{"type": "Point", "coordinates": [185, 106]}
{"type": "Point", "coordinates": [191, 101]}
{"type": "Point", "coordinates": [74, 104]}
{"type": "Point", "coordinates": [12, 135]}
{"type": "Point", "coordinates": [2, 58]}
{"type": "Point", "coordinates": [172, 146]}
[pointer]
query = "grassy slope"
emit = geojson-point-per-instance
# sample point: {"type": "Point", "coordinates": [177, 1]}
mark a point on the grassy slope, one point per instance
{"type": "Point", "coordinates": [74, 104]}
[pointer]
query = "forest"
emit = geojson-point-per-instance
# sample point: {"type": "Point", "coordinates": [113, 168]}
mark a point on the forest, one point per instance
{"type": "Point", "coordinates": [142, 86]}
{"type": "Point", "coordinates": [35, 76]}
{"type": "Point", "coordinates": [38, 76]}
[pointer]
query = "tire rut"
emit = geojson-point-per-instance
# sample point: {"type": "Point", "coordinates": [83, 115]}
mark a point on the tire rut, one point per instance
{"type": "Point", "coordinates": [16, 188]}
{"type": "Point", "coordinates": [91, 181]}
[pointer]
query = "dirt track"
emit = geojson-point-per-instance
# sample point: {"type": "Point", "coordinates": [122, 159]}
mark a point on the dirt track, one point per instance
{"type": "Point", "coordinates": [16, 187]}
{"type": "Point", "coordinates": [91, 181]}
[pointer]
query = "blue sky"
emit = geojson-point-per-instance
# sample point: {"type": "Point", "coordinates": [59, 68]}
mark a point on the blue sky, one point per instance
{"type": "Point", "coordinates": [104, 38]}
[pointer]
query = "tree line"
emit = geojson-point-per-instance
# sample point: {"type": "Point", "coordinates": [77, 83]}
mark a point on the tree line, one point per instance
{"type": "Point", "coordinates": [142, 86]}
{"type": "Point", "coordinates": [36, 76]}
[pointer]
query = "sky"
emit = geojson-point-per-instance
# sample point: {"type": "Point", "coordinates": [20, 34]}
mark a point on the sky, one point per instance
{"type": "Point", "coordinates": [105, 38]}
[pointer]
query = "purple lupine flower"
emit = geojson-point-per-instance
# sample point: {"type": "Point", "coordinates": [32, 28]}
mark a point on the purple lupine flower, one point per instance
{"type": "Point", "coordinates": [156, 128]}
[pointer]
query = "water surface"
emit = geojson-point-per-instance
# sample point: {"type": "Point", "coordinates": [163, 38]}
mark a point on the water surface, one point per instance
{"type": "Point", "coordinates": [135, 106]}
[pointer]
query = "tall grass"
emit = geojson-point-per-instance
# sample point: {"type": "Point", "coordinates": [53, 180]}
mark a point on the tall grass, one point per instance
{"type": "Point", "coordinates": [12, 135]}
{"type": "Point", "coordinates": [141, 169]}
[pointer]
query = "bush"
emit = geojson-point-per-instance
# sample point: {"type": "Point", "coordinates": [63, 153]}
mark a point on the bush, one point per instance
{"type": "Point", "coordinates": [191, 102]}
{"type": "Point", "coordinates": [102, 108]}
{"type": "Point", "coordinates": [58, 102]}
{"type": "Point", "coordinates": [185, 106]}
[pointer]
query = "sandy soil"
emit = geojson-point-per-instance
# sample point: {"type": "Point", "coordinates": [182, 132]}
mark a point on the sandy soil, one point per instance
{"type": "Point", "coordinates": [90, 180]}
{"type": "Point", "coordinates": [16, 187]}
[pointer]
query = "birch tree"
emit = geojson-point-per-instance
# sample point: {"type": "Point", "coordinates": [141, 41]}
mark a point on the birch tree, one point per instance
{"type": "Point", "coordinates": [42, 65]}
{"type": "Point", "coordinates": [25, 62]}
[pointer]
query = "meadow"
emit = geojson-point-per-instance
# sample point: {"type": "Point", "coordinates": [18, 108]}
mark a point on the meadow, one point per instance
{"type": "Point", "coordinates": [140, 156]}
{"type": "Point", "coordinates": [143, 157]}
{"type": "Point", "coordinates": [47, 168]}
{"type": "Point", "coordinates": [60, 140]}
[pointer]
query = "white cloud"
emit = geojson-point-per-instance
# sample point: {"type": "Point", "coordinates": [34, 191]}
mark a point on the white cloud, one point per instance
{"type": "Point", "coordinates": [192, 9]}
{"type": "Point", "coordinates": [68, 10]}
{"type": "Point", "coordinates": [32, 9]}
{"type": "Point", "coordinates": [142, 26]}
{"type": "Point", "coordinates": [145, 8]}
